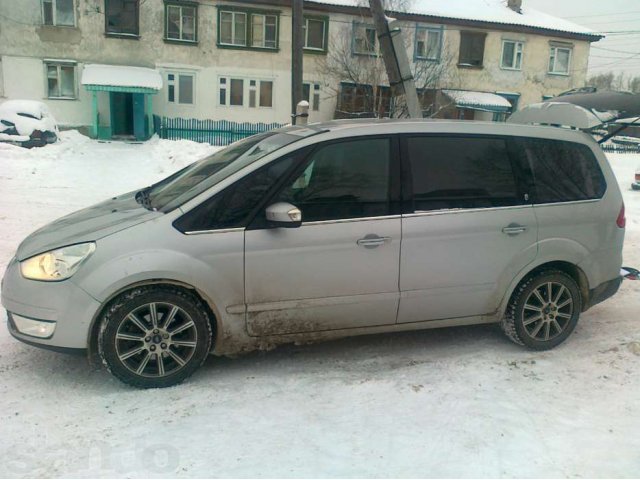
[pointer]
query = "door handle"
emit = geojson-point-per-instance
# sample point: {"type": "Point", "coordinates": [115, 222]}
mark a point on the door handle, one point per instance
{"type": "Point", "coordinates": [372, 240]}
{"type": "Point", "coordinates": [514, 229]}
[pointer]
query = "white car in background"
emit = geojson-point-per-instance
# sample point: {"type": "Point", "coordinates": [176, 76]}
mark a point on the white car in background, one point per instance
{"type": "Point", "coordinates": [27, 123]}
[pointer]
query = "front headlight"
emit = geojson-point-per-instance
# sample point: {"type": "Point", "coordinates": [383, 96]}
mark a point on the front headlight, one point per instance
{"type": "Point", "coordinates": [57, 264]}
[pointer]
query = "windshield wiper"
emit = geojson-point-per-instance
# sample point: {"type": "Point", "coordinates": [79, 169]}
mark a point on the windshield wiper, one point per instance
{"type": "Point", "coordinates": [142, 197]}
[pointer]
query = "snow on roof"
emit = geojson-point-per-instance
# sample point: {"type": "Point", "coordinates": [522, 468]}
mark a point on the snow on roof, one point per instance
{"type": "Point", "coordinates": [121, 76]}
{"type": "Point", "coordinates": [477, 99]}
{"type": "Point", "coordinates": [492, 11]}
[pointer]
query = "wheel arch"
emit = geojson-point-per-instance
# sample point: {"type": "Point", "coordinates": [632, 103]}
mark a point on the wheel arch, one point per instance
{"type": "Point", "coordinates": [571, 269]}
{"type": "Point", "coordinates": [215, 318]}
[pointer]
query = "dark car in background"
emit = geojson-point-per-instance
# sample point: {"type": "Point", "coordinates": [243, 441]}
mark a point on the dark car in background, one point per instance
{"type": "Point", "coordinates": [27, 123]}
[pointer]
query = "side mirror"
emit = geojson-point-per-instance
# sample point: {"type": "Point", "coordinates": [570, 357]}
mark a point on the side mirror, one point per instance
{"type": "Point", "coordinates": [284, 215]}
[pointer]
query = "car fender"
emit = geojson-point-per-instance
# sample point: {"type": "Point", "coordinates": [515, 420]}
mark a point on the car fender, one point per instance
{"type": "Point", "coordinates": [549, 251]}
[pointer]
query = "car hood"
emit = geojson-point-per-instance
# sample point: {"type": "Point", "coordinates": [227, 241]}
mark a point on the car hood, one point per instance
{"type": "Point", "coordinates": [87, 225]}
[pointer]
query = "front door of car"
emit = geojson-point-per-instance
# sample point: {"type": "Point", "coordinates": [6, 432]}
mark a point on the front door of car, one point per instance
{"type": "Point", "coordinates": [340, 268]}
{"type": "Point", "coordinates": [469, 228]}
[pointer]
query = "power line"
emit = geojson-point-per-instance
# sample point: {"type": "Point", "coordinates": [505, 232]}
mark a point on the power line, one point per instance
{"type": "Point", "coordinates": [613, 50]}
{"type": "Point", "coordinates": [621, 32]}
{"type": "Point", "coordinates": [604, 14]}
{"type": "Point", "coordinates": [617, 22]}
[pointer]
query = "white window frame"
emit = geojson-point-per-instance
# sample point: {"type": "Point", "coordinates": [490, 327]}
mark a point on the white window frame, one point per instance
{"type": "Point", "coordinates": [176, 87]}
{"type": "Point", "coordinates": [227, 89]}
{"type": "Point", "coordinates": [264, 31]}
{"type": "Point", "coordinates": [306, 34]}
{"type": "Point", "coordinates": [233, 14]}
{"type": "Point", "coordinates": [314, 94]}
{"type": "Point", "coordinates": [553, 54]}
{"type": "Point", "coordinates": [59, 65]}
{"type": "Point", "coordinates": [247, 88]}
{"type": "Point", "coordinates": [518, 48]}
{"type": "Point", "coordinates": [54, 14]}
{"type": "Point", "coordinates": [429, 30]}
{"type": "Point", "coordinates": [195, 22]}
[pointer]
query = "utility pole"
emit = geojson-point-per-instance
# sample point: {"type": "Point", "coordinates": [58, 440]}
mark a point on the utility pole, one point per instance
{"type": "Point", "coordinates": [297, 44]}
{"type": "Point", "coordinates": [395, 59]}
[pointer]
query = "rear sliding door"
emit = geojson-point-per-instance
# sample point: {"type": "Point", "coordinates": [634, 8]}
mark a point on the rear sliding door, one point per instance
{"type": "Point", "coordinates": [469, 229]}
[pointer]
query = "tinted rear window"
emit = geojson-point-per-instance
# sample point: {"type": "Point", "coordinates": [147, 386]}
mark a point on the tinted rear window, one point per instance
{"type": "Point", "coordinates": [562, 171]}
{"type": "Point", "coordinates": [460, 172]}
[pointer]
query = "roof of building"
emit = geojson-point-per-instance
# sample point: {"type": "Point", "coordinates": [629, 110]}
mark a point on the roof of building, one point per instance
{"type": "Point", "coordinates": [121, 76]}
{"type": "Point", "coordinates": [489, 11]}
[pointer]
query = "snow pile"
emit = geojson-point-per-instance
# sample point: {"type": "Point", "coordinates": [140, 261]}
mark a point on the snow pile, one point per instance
{"type": "Point", "coordinates": [121, 76]}
{"type": "Point", "coordinates": [27, 116]}
{"type": "Point", "coordinates": [493, 11]}
{"type": "Point", "coordinates": [477, 99]}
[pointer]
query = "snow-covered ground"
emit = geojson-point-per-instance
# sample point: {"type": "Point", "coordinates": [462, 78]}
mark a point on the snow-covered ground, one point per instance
{"type": "Point", "coordinates": [455, 402]}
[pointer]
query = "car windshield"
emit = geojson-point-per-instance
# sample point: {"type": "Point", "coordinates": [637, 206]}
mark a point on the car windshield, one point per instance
{"type": "Point", "coordinates": [194, 179]}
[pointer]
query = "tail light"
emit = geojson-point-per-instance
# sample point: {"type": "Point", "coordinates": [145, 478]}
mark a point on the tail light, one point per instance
{"type": "Point", "coordinates": [621, 221]}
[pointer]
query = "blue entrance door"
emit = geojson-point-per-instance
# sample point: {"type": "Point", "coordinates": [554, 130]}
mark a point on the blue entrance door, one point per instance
{"type": "Point", "coordinates": [139, 120]}
{"type": "Point", "coordinates": [121, 114]}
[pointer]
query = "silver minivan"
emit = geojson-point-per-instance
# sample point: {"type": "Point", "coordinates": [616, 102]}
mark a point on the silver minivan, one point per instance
{"type": "Point", "coordinates": [325, 231]}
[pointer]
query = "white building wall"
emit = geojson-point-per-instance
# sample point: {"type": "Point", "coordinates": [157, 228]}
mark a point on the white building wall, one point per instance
{"type": "Point", "coordinates": [25, 43]}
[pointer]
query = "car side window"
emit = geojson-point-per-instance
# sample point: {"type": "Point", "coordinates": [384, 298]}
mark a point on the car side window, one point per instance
{"type": "Point", "coordinates": [232, 207]}
{"type": "Point", "coordinates": [562, 171]}
{"type": "Point", "coordinates": [452, 172]}
{"type": "Point", "coordinates": [343, 180]}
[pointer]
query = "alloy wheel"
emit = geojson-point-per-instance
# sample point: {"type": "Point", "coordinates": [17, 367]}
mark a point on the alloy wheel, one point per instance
{"type": "Point", "coordinates": [156, 339]}
{"type": "Point", "coordinates": [547, 311]}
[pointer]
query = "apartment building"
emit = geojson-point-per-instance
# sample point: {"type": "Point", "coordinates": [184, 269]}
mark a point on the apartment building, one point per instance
{"type": "Point", "coordinates": [108, 65]}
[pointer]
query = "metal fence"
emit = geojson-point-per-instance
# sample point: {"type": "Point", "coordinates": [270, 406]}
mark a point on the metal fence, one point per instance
{"type": "Point", "coordinates": [215, 132]}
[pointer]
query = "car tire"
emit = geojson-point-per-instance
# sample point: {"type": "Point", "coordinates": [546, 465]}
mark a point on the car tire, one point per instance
{"type": "Point", "coordinates": [543, 310]}
{"type": "Point", "coordinates": [154, 337]}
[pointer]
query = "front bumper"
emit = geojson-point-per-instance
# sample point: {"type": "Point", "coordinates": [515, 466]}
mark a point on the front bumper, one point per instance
{"type": "Point", "coordinates": [64, 303]}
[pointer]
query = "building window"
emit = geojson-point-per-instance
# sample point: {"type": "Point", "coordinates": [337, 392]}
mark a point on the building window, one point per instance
{"type": "Point", "coordinates": [231, 92]}
{"type": "Point", "coordinates": [248, 29]}
{"type": "Point", "coordinates": [182, 22]}
{"type": "Point", "coordinates": [364, 39]}
{"type": "Point", "coordinates": [471, 49]}
{"type": "Point", "coordinates": [428, 43]}
{"type": "Point", "coordinates": [236, 95]}
{"type": "Point", "coordinates": [233, 28]}
{"type": "Point", "coordinates": [355, 99]}
{"type": "Point", "coordinates": [266, 93]}
{"type": "Point", "coordinates": [311, 93]}
{"type": "Point", "coordinates": [180, 88]}
{"type": "Point", "coordinates": [315, 34]}
{"type": "Point", "coordinates": [122, 17]}
{"type": "Point", "coordinates": [559, 60]}
{"type": "Point", "coordinates": [264, 31]}
{"type": "Point", "coordinates": [512, 55]}
{"type": "Point", "coordinates": [61, 80]}
{"type": "Point", "coordinates": [60, 13]}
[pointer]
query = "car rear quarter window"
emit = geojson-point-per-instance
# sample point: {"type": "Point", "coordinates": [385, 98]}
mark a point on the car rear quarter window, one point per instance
{"type": "Point", "coordinates": [562, 171]}
{"type": "Point", "coordinates": [452, 172]}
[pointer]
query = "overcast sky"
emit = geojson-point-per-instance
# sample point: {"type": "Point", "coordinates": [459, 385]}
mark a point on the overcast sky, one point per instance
{"type": "Point", "coordinates": [618, 52]}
